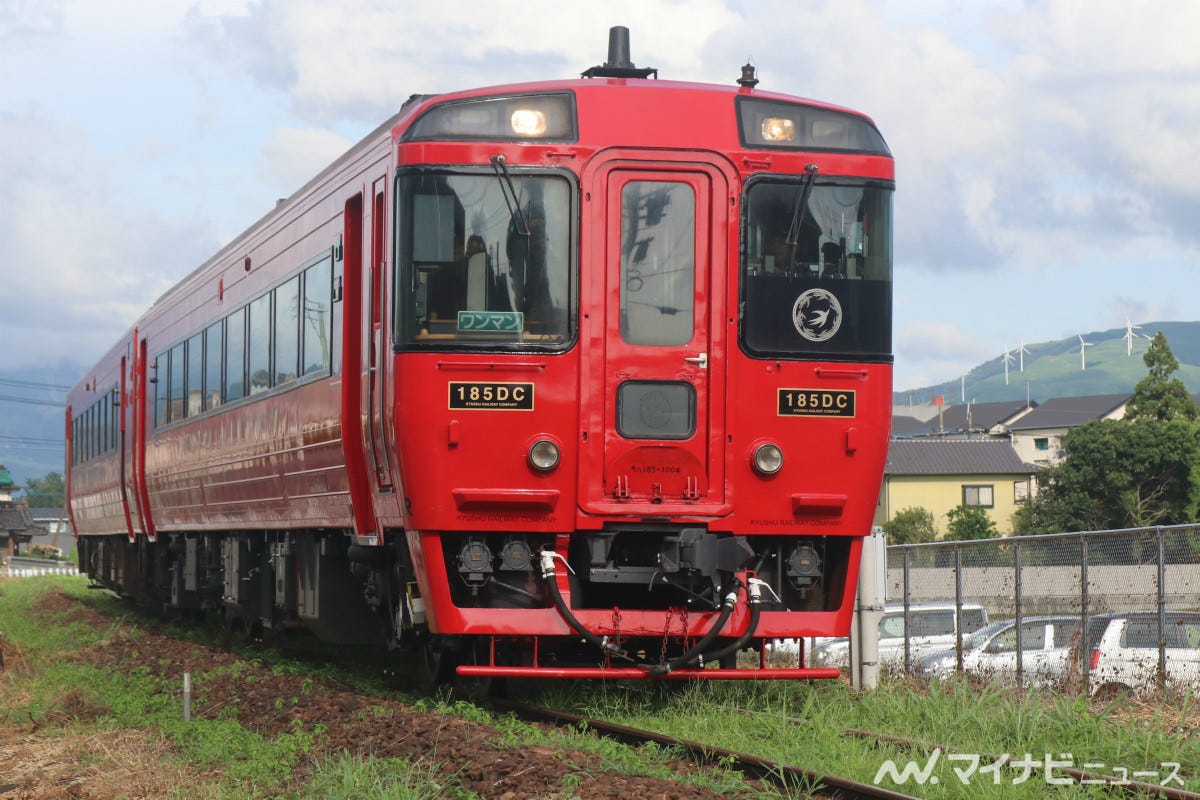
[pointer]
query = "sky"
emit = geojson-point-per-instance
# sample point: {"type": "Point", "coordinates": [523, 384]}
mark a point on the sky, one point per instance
{"type": "Point", "coordinates": [1047, 153]}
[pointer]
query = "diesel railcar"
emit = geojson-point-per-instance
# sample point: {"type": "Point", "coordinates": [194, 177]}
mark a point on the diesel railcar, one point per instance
{"type": "Point", "coordinates": [580, 378]}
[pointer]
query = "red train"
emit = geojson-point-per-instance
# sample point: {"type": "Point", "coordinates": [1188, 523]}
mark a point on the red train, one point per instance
{"type": "Point", "coordinates": [584, 378]}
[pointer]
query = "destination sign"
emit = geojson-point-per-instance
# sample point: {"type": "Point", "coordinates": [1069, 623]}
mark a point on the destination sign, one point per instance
{"type": "Point", "coordinates": [474, 396]}
{"type": "Point", "coordinates": [491, 322]}
{"type": "Point", "coordinates": [816, 403]}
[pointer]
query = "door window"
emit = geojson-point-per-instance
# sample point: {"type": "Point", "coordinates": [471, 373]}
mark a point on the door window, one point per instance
{"type": "Point", "coordinates": [658, 262]}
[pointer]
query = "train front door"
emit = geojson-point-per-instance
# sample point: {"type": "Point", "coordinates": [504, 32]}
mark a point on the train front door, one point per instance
{"type": "Point", "coordinates": [661, 367]}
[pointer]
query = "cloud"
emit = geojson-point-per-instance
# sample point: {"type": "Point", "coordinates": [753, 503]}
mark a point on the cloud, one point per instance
{"type": "Point", "coordinates": [934, 350]}
{"type": "Point", "coordinates": [1023, 134]}
{"type": "Point", "coordinates": [360, 60]}
{"type": "Point", "coordinates": [24, 20]}
{"type": "Point", "coordinates": [81, 264]}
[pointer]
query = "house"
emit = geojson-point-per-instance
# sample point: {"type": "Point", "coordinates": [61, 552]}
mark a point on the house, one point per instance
{"type": "Point", "coordinates": [15, 520]}
{"type": "Point", "coordinates": [940, 474]}
{"type": "Point", "coordinates": [52, 527]}
{"type": "Point", "coordinates": [1038, 436]}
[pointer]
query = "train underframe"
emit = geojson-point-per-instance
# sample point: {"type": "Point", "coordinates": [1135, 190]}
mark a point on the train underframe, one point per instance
{"type": "Point", "coordinates": [639, 601]}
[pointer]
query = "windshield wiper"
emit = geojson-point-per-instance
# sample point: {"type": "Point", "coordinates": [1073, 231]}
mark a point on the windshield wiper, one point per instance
{"type": "Point", "coordinates": [793, 234]}
{"type": "Point", "coordinates": [500, 167]}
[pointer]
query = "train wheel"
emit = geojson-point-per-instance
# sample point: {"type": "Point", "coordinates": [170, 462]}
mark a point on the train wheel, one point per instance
{"type": "Point", "coordinates": [439, 657]}
{"type": "Point", "coordinates": [481, 688]}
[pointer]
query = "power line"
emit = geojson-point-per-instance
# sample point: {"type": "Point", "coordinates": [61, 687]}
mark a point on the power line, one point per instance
{"type": "Point", "coordinates": [54, 387]}
{"type": "Point", "coordinates": [29, 439]}
{"type": "Point", "coordinates": [32, 401]}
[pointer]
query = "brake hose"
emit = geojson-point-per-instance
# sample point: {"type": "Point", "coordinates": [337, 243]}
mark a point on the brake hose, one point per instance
{"type": "Point", "coordinates": [548, 573]}
{"type": "Point", "coordinates": [718, 625]}
{"type": "Point", "coordinates": [754, 600]}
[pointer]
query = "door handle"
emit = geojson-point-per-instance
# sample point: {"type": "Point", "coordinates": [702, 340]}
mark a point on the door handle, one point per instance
{"type": "Point", "coordinates": [701, 360]}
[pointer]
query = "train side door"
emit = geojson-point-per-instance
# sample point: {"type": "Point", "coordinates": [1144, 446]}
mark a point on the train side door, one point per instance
{"type": "Point", "coordinates": [129, 504]}
{"type": "Point", "coordinates": [135, 427]}
{"type": "Point", "coordinates": [377, 363]}
{"type": "Point", "coordinates": [365, 443]}
{"type": "Point", "coordinates": [662, 370]}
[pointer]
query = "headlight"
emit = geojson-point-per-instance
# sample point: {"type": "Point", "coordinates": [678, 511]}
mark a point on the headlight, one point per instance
{"type": "Point", "coordinates": [528, 122]}
{"type": "Point", "coordinates": [778, 129]}
{"type": "Point", "coordinates": [543, 456]}
{"type": "Point", "coordinates": [768, 459]}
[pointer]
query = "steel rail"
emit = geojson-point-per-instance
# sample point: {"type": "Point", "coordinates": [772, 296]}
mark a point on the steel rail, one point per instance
{"type": "Point", "coordinates": [782, 775]}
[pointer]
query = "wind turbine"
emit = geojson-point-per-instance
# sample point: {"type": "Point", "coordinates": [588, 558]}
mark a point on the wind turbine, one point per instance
{"type": "Point", "coordinates": [1021, 351]}
{"type": "Point", "coordinates": [1130, 336]}
{"type": "Point", "coordinates": [1008, 359]}
{"type": "Point", "coordinates": [1083, 351]}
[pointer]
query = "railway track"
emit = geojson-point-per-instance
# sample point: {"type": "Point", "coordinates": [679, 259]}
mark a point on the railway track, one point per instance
{"type": "Point", "coordinates": [784, 776]}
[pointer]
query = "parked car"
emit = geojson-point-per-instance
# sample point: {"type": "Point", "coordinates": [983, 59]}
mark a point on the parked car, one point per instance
{"type": "Point", "coordinates": [932, 629]}
{"type": "Point", "coordinates": [1047, 644]}
{"type": "Point", "coordinates": [1123, 649]}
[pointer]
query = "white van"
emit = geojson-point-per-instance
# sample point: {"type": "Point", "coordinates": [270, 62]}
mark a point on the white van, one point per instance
{"type": "Point", "coordinates": [932, 628]}
{"type": "Point", "coordinates": [1123, 649]}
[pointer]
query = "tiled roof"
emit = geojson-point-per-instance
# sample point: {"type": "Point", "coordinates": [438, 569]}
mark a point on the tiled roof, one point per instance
{"type": "Point", "coordinates": [955, 457]}
{"type": "Point", "coordinates": [976, 416]}
{"type": "Point", "coordinates": [1070, 412]}
{"type": "Point", "coordinates": [903, 425]}
{"type": "Point", "coordinates": [14, 518]}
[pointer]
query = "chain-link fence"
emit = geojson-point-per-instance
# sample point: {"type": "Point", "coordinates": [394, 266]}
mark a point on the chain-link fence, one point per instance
{"type": "Point", "coordinates": [1100, 609]}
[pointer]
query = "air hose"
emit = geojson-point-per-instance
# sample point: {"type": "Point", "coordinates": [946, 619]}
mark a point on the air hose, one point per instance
{"type": "Point", "coordinates": [602, 642]}
{"type": "Point", "coordinates": [755, 602]}
{"type": "Point", "coordinates": [707, 639]}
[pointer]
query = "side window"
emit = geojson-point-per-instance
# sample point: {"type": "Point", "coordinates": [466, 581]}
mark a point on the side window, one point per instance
{"type": "Point", "coordinates": [1033, 636]}
{"type": "Point", "coordinates": [336, 341]}
{"type": "Point", "coordinates": [318, 295]}
{"type": "Point", "coordinates": [1140, 633]}
{"type": "Point", "coordinates": [212, 366]}
{"type": "Point", "coordinates": [978, 496]}
{"type": "Point", "coordinates": [1005, 642]}
{"type": "Point", "coordinates": [287, 331]}
{"type": "Point", "coordinates": [972, 620]}
{"type": "Point", "coordinates": [932, 623]}
{"type": "Point", "coordinates": [175, 384]}
{"type": "Point", "coordinates": [260, 344]}
{"type": "Point", "coordinates": [160, 390]}
{"type": "Point", "coordinates": [891, 627]}
{"type": "Point", "coordinates": [116, 417]}
{"type": "Point", "coordinates": [235, 356]}
{"type": "Point", "coordinates": [193, 378]}
{"type": "Point", "coordinates": [1041, 443]}
{"type": "Point", "coordinates": [1065, 633]}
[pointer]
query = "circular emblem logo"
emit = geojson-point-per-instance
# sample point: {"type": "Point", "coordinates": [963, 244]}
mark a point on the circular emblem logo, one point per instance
{"type": "Point", "coordinates": [817, 315]}
{"type": "Point", "coordinates": [655, 410]}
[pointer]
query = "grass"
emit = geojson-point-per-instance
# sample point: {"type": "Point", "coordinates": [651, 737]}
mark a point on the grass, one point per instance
{"type": "Point", "coordinates": [805, 724]}
{"type": "Point", "coordinates": [41, 690]}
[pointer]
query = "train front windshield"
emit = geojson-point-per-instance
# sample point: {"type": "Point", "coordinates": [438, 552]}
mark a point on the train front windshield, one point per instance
{"type": "Point", "coordinates": [816, 277]}
{"type": "Point", "coordinates": [485, 261]}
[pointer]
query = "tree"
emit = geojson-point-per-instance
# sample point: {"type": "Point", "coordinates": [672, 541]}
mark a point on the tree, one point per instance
{"type": "Point", "coordinates": [911, 526]}
{"type": "Point", "coordinates": [46, 492]}
{"type": "Point", "coordinates": [1119, 474]}
{"type": "Point", "coordinates": [1159, 396]}
{"type": "Point", "coordinates": [970, 522]}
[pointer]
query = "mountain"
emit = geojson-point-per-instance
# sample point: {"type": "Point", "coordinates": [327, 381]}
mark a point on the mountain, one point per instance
{"type": "Point", "coordinates": [1052, 369]}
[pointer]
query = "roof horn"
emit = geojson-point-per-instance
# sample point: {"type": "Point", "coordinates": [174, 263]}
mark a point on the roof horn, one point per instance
{"type": "Point", "coordinates": [618, 64]}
